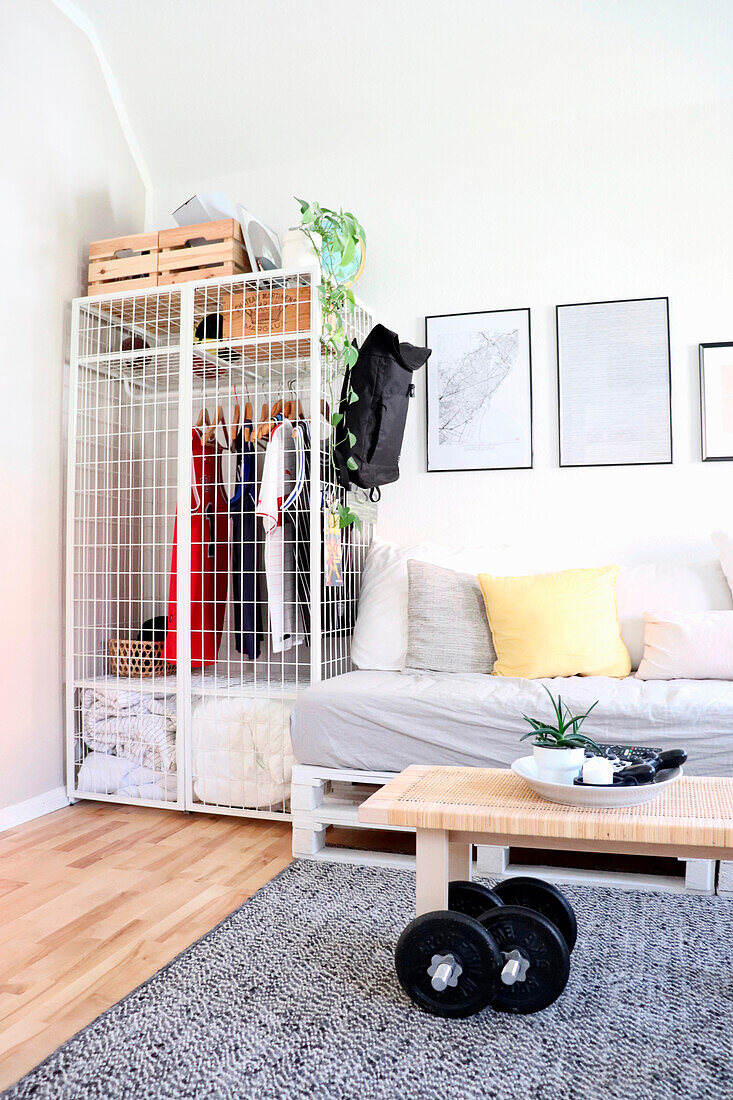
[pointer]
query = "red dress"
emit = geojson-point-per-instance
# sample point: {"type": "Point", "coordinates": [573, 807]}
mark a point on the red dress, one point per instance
{"type": "Point", "coordinates": [209, 558]}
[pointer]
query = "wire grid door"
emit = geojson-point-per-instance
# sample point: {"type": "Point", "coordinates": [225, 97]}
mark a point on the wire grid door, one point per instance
{"type": "Point", "coordinates": [251, 551]}
{"type": "Point", "coordinates": [197, 526]}
{"type": "Point", "coordinates": [121, 695]}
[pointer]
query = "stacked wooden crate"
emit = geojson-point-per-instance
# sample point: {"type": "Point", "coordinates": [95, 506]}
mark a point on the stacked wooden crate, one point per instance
{"type": "Point", "coordinates": [203, 251]}
{"type": "Point", "coordinates": [123, 263]}
{"type": "Point", "coordinates": [143, 260]}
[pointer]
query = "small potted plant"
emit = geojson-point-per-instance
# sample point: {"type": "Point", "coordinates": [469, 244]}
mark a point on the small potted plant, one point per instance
{"type": "Point", "coordinates": [559, 749]}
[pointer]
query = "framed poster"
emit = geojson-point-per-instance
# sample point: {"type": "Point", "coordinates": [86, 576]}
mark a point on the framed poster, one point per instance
{"type": "Point", "coordinates": [614, 383]}
{"type": "Point", "coordinates": [716, 402]}
{"type": "Point", "coordinates": [479, 391]}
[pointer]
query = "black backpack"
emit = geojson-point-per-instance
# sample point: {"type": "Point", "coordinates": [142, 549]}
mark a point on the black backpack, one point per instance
{"type": "Point", "coordinates": [382, 379]}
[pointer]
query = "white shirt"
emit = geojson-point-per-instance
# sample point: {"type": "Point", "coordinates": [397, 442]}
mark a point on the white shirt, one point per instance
{"type": "Point", "coordinates": [280, 475]}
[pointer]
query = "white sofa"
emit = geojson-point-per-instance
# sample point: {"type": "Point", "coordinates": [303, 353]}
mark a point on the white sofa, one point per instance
{"type": "Point", "coordinates": [378, 719]}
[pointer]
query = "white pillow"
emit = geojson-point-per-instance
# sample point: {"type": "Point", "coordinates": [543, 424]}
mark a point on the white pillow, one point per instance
{"type": "Point", "coordinates": [380, 633]}
{"type": "Point", "coordinates": [677, 587]}
{"type": "Point", "coordinates": [724, 545]}
{"type": "Point", "coordinates": [694, 646]}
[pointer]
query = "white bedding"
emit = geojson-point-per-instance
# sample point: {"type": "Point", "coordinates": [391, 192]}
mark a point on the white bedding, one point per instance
{"type": "Point", "coordinates": [242, 754]}
{"type": "Point", "coordinates": [104, 773]}
{"type": "Point", "coordinates": [384, 721]}
{"type": "Point", "coordinates": [135, 725]}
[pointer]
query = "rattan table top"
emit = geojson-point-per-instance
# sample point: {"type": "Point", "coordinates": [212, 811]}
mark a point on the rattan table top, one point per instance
{"type": "Point", "coordinates": [692, 812]}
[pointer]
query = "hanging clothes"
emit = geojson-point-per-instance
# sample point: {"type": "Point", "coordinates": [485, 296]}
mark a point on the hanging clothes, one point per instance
{"type": "Point", "coordinates": [298, 510]}
{"type": "Point", "coordinates": [338, 605]}
{"type": "Point", "coordinates": [281, 477]}
{"type": "Point", "coordinates": [209, 558]}
{"type": "Point", "coordinates": [242, 506]}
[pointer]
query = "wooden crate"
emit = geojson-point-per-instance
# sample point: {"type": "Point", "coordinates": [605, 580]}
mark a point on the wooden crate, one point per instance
{"type": "Point", "coordinates": [109, 272]}
{"type": "Point", "coordinates": [268, 312]}
{"type": "Point", "coordinates": [203, 251]}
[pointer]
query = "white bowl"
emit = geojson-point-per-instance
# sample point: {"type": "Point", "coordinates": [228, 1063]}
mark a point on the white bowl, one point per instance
{"type": "Point", "coordinates": [595, 797]}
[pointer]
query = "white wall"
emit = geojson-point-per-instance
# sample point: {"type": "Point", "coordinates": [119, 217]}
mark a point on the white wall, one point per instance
{"type": "Point", "coordinates": [67, 178]}
{"type": "Point", "coordinates": [505, 155]}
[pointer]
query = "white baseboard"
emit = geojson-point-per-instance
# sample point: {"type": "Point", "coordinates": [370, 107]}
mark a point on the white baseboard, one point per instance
{"type": "Point", "coordinates": [42, 804]}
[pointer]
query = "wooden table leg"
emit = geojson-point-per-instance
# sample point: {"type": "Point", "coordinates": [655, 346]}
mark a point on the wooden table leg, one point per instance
{"type": "Point", "coordinates": [439, 860]}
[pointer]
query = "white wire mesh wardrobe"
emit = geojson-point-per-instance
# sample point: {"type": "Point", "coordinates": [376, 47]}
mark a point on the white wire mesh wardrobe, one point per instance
{"type": "Point", "coordinates": [202, 724]}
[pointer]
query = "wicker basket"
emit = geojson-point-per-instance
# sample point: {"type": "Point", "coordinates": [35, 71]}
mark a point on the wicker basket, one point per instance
{"type": "Point", "coordinates": [132, 658]}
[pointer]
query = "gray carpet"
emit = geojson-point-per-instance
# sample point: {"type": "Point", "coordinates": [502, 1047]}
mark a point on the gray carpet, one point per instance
{"type": "Point", "coordinates": [294, 995]}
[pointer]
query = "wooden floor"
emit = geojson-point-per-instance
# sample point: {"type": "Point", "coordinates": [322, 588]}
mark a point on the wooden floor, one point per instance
{"type": "Point", "coordinates": [95, 898]}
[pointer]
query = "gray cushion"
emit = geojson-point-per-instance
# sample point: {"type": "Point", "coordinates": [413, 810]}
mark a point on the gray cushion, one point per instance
{"type": "Point", "coordinates": [447, 627]}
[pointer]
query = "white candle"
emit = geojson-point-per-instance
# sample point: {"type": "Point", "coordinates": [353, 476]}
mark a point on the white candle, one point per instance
{"type": "Point", "coordinates": [597, 769]}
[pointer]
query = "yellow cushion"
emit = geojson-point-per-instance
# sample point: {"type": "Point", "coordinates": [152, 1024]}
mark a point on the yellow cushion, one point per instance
{"type": "Point", "coordinates": [556, 624]}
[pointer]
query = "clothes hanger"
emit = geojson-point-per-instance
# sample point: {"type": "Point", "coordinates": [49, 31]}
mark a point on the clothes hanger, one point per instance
{"type": "Point", "coordinates": [203, 419]}
{"type": "Point", "coordinates": [209, 431]}
{"type": "Point", "coordinates": [221, 419]}
{"type": "Point", "coordinates": [263, 419]}
{"type": "Point", "coordinates": [265, 428]}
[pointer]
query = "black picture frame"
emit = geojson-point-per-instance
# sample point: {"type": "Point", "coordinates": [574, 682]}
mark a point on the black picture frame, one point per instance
{"type": "Point", "coordinates": [479, 469]}
{"type": "Point", "coordinates": [702, 348]}
{"type": "Point", "coordinates": [612, 301]}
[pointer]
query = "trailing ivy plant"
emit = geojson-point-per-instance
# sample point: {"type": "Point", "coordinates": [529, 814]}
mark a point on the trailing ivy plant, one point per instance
{"type": "Point", "coordinates": [335, 236]}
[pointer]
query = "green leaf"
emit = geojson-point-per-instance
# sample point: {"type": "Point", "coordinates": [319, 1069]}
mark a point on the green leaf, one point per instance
{"type": "Point", "coordinates": [347, 517]}
{"type": "Point", "coordinates": [351, 438]}
{"type": "Point", "coordinates": [350, 355]}
{"type": "Point", "coordinates": [336, 419]}
{"type": "Point", "coordinates": [349, 252]}
{"type": "Point", "coordinates": [353, 397]}
{"type": "Point", "coordinates": [535, 723]}
{"type": "Point", "coordinates": [352, 464]}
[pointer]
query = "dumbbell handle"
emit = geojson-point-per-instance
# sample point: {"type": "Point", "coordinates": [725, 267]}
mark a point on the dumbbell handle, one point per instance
{"type": "Point", "coordinates": [515, 968]}
{"type": "Point", "coordinates": [511, 971]}
{"type": "Point", "coordinates": [442, 976]}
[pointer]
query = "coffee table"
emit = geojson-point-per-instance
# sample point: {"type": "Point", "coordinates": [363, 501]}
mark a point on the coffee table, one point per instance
{"type": "Point", "coordinates": [452, 808]}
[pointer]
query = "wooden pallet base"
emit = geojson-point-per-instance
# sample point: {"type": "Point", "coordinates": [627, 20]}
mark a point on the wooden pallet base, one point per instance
{"type": "Point", "coordinates": [322, 797]}
{"type": "Point", "coordinates": [725, 879]}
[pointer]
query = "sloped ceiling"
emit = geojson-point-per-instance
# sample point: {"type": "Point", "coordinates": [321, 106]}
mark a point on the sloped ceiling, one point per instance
{"type": "Point", "coordinates": [203, 80]}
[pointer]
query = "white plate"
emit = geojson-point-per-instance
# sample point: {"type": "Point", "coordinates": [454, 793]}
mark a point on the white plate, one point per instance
{"type": "Point", "coordinates": [596, 797]}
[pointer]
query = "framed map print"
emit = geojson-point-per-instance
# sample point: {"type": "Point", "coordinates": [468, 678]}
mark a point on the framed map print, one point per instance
{"type": "Point", "coordinates": [479, 391]}
{"type": "Point", "coordinates": [614, 383]}
{"type": "Point", "coordinates": [716, 401]}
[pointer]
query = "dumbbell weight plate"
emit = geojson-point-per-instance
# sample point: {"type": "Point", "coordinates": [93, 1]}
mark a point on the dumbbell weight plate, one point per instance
{"type": "Point", "coordinates": [471, 898]}
{"type": "Point", "coordinates": [441, 934]}
{"type": "Point", "coordinates": [544, 898]}
{"type": "Point", "coordinates": [538, 941]}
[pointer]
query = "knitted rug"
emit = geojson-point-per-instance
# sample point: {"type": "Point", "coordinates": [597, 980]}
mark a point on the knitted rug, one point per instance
{"type": "Point", "coordinates": [294, 995]}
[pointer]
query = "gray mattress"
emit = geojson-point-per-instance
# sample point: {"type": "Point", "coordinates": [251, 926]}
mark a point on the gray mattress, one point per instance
{"type": "Point", "coordinates": [384, 721]}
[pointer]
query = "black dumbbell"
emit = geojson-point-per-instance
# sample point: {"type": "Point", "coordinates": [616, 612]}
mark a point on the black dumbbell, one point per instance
{"type": "Point", "coordinates": [514, 955]}
{"type": "Point", "coordinates": [471, 898]}
{"type": "Point", "coordinates": [541, 897]}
